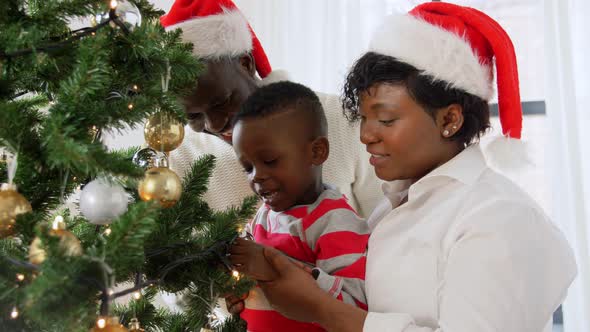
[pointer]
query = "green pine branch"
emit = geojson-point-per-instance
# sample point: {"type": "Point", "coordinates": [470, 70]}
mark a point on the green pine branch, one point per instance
{"type": "Point", "coordinates": [143, 309]}
{"type": "Point", "coordinates": [55, 86]}
{"type": "Point", "coordinates": [20, 120]}
{"type": "Point", "coordinates": [124, 246]}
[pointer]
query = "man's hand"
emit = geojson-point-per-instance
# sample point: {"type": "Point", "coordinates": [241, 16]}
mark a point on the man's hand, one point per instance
{"type": "Point", "coordinates": [248, 257]}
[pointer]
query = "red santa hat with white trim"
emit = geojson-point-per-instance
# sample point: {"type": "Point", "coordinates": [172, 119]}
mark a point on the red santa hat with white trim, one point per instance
{"type": "Point", "coordinates": [457, 45]}
{"type": "Point", "coordinates": [216, 28]}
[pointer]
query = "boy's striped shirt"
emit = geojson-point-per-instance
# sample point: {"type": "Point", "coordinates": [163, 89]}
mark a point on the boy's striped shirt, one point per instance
{"type": "Point", "coordinates": [327, 234]}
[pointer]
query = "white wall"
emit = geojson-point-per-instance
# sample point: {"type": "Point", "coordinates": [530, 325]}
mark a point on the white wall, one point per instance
{"type": "Point", "coordinates": [162, 4]}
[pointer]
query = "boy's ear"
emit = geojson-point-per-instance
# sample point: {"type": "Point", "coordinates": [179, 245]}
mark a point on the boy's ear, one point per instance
{"type": "Point", "coordinates": [320, 149]}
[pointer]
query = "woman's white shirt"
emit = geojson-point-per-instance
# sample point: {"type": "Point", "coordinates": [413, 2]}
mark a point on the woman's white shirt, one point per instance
{"type": "Point", "coordinates": [469, 251]}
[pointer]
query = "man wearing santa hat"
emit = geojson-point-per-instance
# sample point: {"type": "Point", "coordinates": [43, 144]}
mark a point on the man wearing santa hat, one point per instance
{"type": "Point", "coordinates": [462, 249]}
{"type": "Point", "coordinates": [235, 66]}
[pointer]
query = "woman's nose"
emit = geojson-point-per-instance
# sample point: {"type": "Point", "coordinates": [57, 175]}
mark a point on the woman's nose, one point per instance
{"type": "Point", "coordinates": [368, 133]}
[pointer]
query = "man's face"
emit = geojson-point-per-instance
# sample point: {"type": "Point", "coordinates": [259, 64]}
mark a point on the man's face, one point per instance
{"type": "Point", "coordinates": [221, 89]}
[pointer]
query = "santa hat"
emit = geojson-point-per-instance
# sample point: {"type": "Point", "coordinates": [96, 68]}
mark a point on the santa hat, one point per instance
{"type": "Point", "coordinates": [457, 45]}
{"type": "Point", "coordinates": [216, 28]}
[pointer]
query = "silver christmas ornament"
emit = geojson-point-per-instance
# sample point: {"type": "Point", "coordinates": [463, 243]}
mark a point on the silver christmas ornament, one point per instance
{"type": "Point", "coordinates": [101, 202]}
{"type": "Point", "coordinates": [125, 11]}
{"type": "Point", "coordinates": [146, 158]}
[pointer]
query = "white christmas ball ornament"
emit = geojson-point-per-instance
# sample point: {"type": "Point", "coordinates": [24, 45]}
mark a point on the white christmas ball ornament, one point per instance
{"type": "Point", "coordinates": [101, 202]}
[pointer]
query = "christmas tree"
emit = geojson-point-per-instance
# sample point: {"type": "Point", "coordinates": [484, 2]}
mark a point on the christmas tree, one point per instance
{"type": "Point", "coordinates": [140, 225]}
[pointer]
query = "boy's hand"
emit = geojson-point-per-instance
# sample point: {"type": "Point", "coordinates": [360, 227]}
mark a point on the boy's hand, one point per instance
{"type": "Point", "coordinates": [235, 305]}
{"type": "Point", "coordinates": [248, 258]}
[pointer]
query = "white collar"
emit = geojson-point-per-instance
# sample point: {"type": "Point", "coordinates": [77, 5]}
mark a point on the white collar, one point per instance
{"type": "Point", "coordinates": [395, 191]}
{"type": "Point", "coordinates": [466, 167]}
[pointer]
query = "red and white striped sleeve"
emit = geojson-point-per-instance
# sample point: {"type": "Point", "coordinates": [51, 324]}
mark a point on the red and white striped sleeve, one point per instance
{"type": "Point", "coordinates": [338, 237]}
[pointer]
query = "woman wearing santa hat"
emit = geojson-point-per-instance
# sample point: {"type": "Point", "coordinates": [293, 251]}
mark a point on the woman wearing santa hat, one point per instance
{"type": "Point", "coordinates": [462, 248]}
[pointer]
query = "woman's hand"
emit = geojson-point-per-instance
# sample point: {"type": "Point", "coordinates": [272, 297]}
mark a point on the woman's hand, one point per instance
{"type": "Point", "coordinates": [296, 295]}
{"type": "Point", "coordinates": [293, 292]}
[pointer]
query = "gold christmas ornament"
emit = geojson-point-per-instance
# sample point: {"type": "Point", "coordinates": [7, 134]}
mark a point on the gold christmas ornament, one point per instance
{"type": "Point", "coordinates": [134, 326]}
{"type": "Point", "coordinates": [108, 324]}
{"type": "Point", "coordinates": [163, 132]}
{"type": "Point", "coordinates": [12, 204]}
{"type": "Point", "coordinates": [162, 185]}
{"type": "Point", "coordinates": [68, 242]}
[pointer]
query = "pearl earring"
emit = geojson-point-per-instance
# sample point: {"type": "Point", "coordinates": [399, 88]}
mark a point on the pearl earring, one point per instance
{"type": "Point", "coordinates": [446, 132]}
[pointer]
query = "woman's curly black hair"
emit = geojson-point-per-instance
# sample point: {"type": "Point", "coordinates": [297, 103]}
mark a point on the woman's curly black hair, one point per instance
{"type": "Point", "coordinates": [373, 68]}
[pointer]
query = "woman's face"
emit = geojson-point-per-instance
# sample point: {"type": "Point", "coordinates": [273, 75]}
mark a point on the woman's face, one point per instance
{"type": "Point", "coordinates": [404, 141]}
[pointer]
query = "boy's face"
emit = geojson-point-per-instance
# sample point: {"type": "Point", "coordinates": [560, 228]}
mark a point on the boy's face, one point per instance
{"type": "Point", "coordinates": [282, 161]}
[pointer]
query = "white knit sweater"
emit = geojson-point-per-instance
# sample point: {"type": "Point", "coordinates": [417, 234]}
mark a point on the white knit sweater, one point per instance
{"type": "Point", "coordinates": [347, 167]}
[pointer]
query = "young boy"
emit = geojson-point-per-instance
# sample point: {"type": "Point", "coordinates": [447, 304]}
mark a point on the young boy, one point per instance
{"type": "Point", "coordinates": [280, 139]}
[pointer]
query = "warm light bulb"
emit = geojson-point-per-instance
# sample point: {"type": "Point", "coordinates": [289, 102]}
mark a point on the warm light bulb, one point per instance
{"type": "Point", "coordinates": [57, 222]}
{"type": "Point", "coordinates": [114, 4]}
{"type": "Point", "coordinates": [107, 231]}
{"type": "Point", "coordinates": [20, 277]}
{"type": "Point", "coordinates": [236, 274]}
{"type": "Point", "coordinates": [14, 313]}
{"type": "Point", "coordinates": [101, 323]}
{"type": "Point", "coordinates": [135, 87]}
{"type": "Point", "coordinates": [137, 295]}
{"type": "Point", "coordinates": [130, 106]}
{"type": "Point", "coordinates": [111, 292]}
